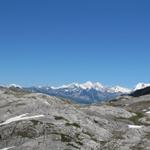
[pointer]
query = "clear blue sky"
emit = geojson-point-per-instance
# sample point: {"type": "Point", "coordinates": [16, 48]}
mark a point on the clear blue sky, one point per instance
{"type": "Point", "coordinates": [61, 41]}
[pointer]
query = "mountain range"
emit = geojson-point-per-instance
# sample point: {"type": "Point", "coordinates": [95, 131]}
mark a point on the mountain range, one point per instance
{"type": "Point", "coordinates": [85, 93]}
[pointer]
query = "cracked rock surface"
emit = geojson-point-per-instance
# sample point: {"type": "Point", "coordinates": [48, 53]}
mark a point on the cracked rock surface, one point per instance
{"type": "Point", "coordinates": [32, 121]}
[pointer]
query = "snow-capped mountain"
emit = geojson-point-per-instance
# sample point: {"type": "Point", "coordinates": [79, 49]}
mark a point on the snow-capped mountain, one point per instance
{"type": "Point", "coordinates": [120, 89]}
{"type": "Point", "coordinates": [96, 86]}
{"type": "Point", "coordinates": [85, 86]}
{"type": "Point", "coordinates": [141, 86]}
{"type": "Point", "coordinates": [87, 92]}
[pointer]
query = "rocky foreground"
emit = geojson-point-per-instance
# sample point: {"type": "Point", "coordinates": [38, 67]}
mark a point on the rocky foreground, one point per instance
{"type": "Point", "coordinates": [31, 121]}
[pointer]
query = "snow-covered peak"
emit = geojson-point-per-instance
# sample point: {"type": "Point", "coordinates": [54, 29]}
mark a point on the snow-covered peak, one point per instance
{"type": "Point", "coordinates": [96, 85]}
{"type": "Point", "coordinates": [84, 86]}
{"type": "Point", "coordinates": [90, 85]}
{"type": "Point", "coordinates": [72, 85]}
{"type": "Point", "coordinates": [141, 86]}
{"type": "Point", "coordinates": [119, 89]}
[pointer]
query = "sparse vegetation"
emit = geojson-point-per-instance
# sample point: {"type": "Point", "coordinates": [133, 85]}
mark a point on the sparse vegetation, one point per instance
{"type": "Point", "coordinates": [60, 118]}
{"type": "Point", "coordinates": [111, 146]}
{"type": "Point", "coordinates": [135, 119]}
{"type": "Point", "coordinates": [139, 146]}
{"type": "Point", "coordinates": [79, 142]}
{"type": "Point", "coordinates": [73, 124]}
{"type": "Point", "coordinates": [138, 106]}
{"type": "Point", "coordinates": [17, 92]}
{"type": "Point", "coordinates": [147, 135]}
{"type": "Point", "coordinates": [117, 135]}
{"type": "Point", "coordinates": [71, 144]}
{"type": "Point", "coordinates": [20, 104]}
{"type": "Point", "coordinates": [28, 134]}
{"type": "Point", "coordinates": [36, 122]}
{"type": "Point", "coordinates": [65, 138]}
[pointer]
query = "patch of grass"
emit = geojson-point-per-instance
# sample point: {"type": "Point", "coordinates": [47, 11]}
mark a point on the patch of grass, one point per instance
{"type": "Point", "coordinates": [79, 142]}
{"type": "Point", "coordinates": [20, 104]}
{"type": "Point", "coordinates": [50, 125]}
{"type": "Point", "coordinates": [36, 122]}
{"type": "Point", "coordinates": [135, 119]}
{"type": "Point", "coordinates": [103, 142]}
{"type": "Point", "coordinates": [73, 124]}
{"type": "Point", "coordinates": [117, 135]}
{"type": "Point", "coordinates": [25, 134]}
{"type": "Point", "coordinates": [111, 146]}
{"type": "Point", "coordinates": [71, 144]}
{"type": "Point", "coordinates": [147, 135]}
{"type": "Point", "coordinates": [138, 106]}
{"type": "Point", "coordinates": [60, 118]}
{"type": "Point", "coordinates": [94, 139]}
{"type": "Point", "coordinates": [139, 146]}
{"type": "Point", "coordinates": [65, 138]}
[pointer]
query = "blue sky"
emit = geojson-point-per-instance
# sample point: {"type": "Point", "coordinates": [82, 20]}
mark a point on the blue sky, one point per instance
{"type": "Point", "coordinates": [61, 41]}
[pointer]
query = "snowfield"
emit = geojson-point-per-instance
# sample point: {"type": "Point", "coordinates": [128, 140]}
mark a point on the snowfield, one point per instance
{"type": "Point", "coordinates": [134, 127]}
{"type": "Point", "coordinates": [7, 148]}
{"type": "Point", "coordinates": [20, 117]}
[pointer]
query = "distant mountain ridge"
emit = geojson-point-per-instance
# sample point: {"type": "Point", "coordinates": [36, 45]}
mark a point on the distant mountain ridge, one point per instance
{"type": "Point", "coordinates": [97, 86]}
{"type": "Point", "coordinates": [85, 93]}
